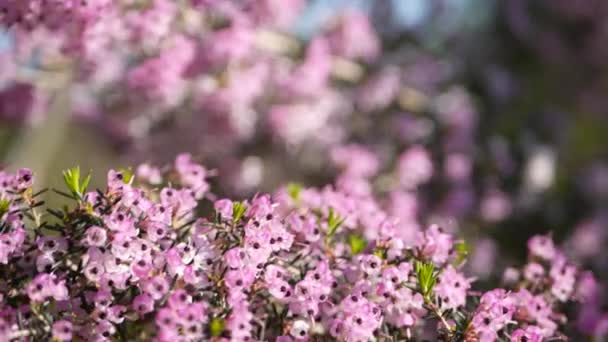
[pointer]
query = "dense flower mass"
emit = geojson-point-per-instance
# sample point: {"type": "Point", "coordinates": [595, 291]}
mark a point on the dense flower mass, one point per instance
{"type": "Point", "coordinates": [232, 75]}
{"type": "Point", "coordinates": [425, 141]}
{"type": "Point", "coordinates": [140, 260]}
{"type": "Point", "coordinates": [237, 83]}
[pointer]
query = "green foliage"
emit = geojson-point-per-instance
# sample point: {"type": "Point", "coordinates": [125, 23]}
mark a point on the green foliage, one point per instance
{"type": "Point", "coordinates": [71, 177]}
{"type": "Point", "coordinates": [427, 278]}
{"type": "Point", "coordinates": [294, 189]}
{"type": "Point", "coordinates": [462, 251]}
{"type": "Point", "coordinates": [4, 206]}
{"type": "Point", "coordinates": [380, 253]}
{"type": "Point", "coordinates": [334, 222]}
{"type": "Point", "coordinates": [216, 327]}
{"type": "Point", "coordinates": [127, 174]}
{"type": "Point", "coordinates": [357, 243]}
{"type": "Point", "coordinates": [238, 210]}
{"type": "Point", "coordinates": [462, 322]}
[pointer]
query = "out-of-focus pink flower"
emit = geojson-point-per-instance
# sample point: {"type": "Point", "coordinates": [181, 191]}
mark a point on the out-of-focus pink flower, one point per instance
{"type": "Point", "coordinates": [482, 261]}
{"type": "Point", "coordinates": [276, 13]}
{"type": "Point", "coordinates": [22, 102]}
{"type": "Point", "coordinates": [149, 26]}
{"type": "Point", "coordinates": [415, 167]}
{"type": "Point", "coordinates": [495, 206]}
{"type": "Point", "coordinates": [435, 244]}
{"type": "Point", "coordinates": [587, 240]}
{"type": "Point", "coordinates": [149, 173]}
{"type": "Point", "coordinates": [455, 109]}
{"type": "Point", "coordinates": [231, 44]}
{"type": "Point", "coordinates": [160, 79]}
{"type": "Point", "coordinates": [380, 90]}
{"type": "Point", "coordinates": [235, 99]}
{"type": "Point", "coordinates": [354, 37]}
{"type": "Point", "coordinates": [298, 122]}
{"type": "Point", "coordinates": [542, 246]}
{"type": "Point", "coordinates": [355, 160]}
{"type": "Point", "coordinates": [310, 77]}
{"type": "Point", "coordinates": [458, 167]}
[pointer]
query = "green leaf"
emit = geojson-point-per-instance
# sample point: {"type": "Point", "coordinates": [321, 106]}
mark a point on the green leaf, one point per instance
{"type": "Point", "coordinates": [85, 183]}
{"type": "Point", "coordinates": [216, 327]}
{"type": "Point", "coordinates": [238, 210]}
{"type": "Point", "coordinates": [127, 174]}
{"type": "Point", "coordinates": [294, 189]}
{"type": "Point", "coordinates": [4, 206]}
{"type": "Point", "coordinates": [462, 251]}
{"type": "Point", "coordinates": [380, 253]}
{"type": "Point", "coordinates": [333, 223]}
{"type": "Point", "coordinates": [427, 278]}
{"type": "Point", "coordinates": [71, 177]}
{"type": "Point", "coordinates": [357, 243]}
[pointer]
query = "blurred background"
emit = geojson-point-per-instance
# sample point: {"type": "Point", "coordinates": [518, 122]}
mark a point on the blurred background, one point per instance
{"type": "Point", "coordinates": [492, 114]}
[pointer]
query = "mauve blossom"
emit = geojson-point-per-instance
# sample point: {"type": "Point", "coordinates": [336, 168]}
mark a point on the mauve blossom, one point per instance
{"type": "Point", "coordinates": [355, 160]}
{"type": "Point", "coordinates": [415, 167]}
{"type": "Point", "coordinates": [354, 37]}
{"type": "Point", "coordinates": [335, 258]}
{"type": "Point", "coordinates": [62, 331]}
{"type": "Point", "coordinates": [435, 244]}
{"type": "Point", "coordinates": [311, 77]}
{"type": "Point", "coordinates": [22, 102]}
{"type": "Point", "coordinates": [542, 246]}
{"type": "Point", "coordinates": [380, 90]}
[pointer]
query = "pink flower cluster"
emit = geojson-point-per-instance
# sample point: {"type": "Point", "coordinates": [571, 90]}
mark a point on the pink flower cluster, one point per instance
{"type": "Point", "coordinates": [69, 15]}
{"type": "Point", "coordinates": [219, 60]}
{"type": "Point", "coordinates": [544, 283]}
{"type": "Point", "coordinates": [140, 261]}
{"type": "Point", "coordinates": [233, 67]}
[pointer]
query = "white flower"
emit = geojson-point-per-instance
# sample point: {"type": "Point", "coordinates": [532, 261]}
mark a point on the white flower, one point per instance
{"type": "Point", "coordinates": [299, 329]}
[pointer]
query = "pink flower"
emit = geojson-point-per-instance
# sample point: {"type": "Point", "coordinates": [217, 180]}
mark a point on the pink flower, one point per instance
{"type": "Point", "coordinates": [24, 179]}
{"type": "Point", "coordinates": [275, 13]}
{"type": "Point", "coordinates": [96, 236]}
{"type": "Point", "coordinates": [192, 175]}
{"type": "Point", "coordinates": [380, 90]}
{"type": "Point", "coordinates": [149, 173]}
{"type": "Point", "coordinates": [451, 289]}
{"type": "Point", "coordinates": [530, 334]}
{"type": "Point", "coordinates": [310, 77]}
{"type": "Point", "coordinates": [355, 160]}
{"type": "Point", "coordinates": [357, 319]}
{"type": "Point", "coordinates": [354, 37]}
{"type": "Point", "coordinates": [404, 308]}
{"type": "Point", "coordinates": [415, 167]}
{"type": "Point", "coordinates": [533, 272]}
{"type": "Point", "coordinates": [156, 287]}
{"type": "Point", "coordinates": [495, 206]}
{"type": "Point", "coordinates": [435, 244]}
{"type": "Point", "coordinates": [231, 44]}
{"type": "Point", "coordinates": [495, 311]}
{"type": "Point", "coordinates": [45, 286]}
{"type": "Point", "coordinates": [239, 279]}
{"type": "Point", "coordinates": [564, 278]}
{"type": "Point", "coordinates": [239, 322]}
{"type": "Point", "coordinates": [143, 304]}
{"type": "Point", "coordinates": [62, 330]}
{"type": "Point", "coordinates": [22, 102]}
{"type": "Point", "coordinates": [224, 207]}
{"type": "Point", "coordinates": [542, 246]}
